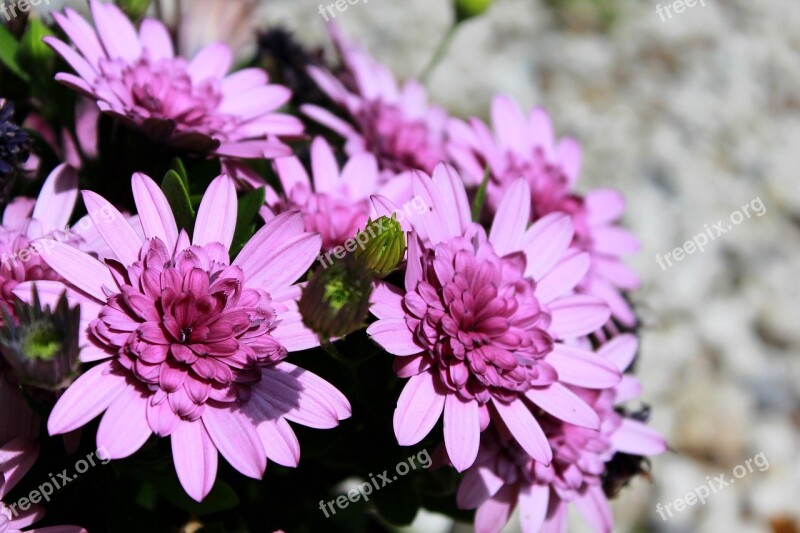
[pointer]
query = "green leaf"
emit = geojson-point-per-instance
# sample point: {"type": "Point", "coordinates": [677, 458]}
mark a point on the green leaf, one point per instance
{"type": "Point", "coordinates": [135, 9]}
{"type": "Point", "coordinates": [8, 53]}
{"type": "Point", "coordinates": [249, 204]}
{"type": "Point", "coordinates": [480, 198]}
{"type": "Point", "coordinates": [180, 169]}
{"type": "Point", "coordinates": [177, 194]}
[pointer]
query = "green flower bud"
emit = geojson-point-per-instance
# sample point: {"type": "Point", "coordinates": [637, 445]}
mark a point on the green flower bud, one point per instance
{"type": "Point", "coordinates": [382, 246]}
{"type": "Point", "coordinates": [467, 9]}
{"type": "Point", "coordinates": [134, 8]}
{"type": "Point", "coordinates": [41, 345]}
{"type": "Point", "coordinates": [335, 300]}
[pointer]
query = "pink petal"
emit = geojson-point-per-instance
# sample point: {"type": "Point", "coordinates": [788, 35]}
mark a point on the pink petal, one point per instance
{"type": "Point", "coordinates": [116, 32]}
{"type": "Point", "coordinates": [628, 389]}
{"type": "Point", "coordinates": [17, 420]}
{"type": "Point", "coordinates": [155, 39]}
{"type": "Point", "coordinates": [387, 301]}
{"type": "Point", "coordinates": [235, 436]}
{"type": "Point", "coordinates": [563, 278]}
{"type": "Point", "coordinates": [510, 125]}
{"type": "Point", "coordinates": [82, 270]}
{"type": "Point", "coordinates": [594, 508]}
{"type": "Point", "coordinates": [611, 240]}
{"type": "Point", "coordinates": [620, 351]}
{"type": "Point", "coordinates": [195, 458]}
{"type": "Point", "coordinates": [564, 404]}
{"type": "Point", "coordinates": [604, 206]}
{"type": "Point", "coordinates": [462, 432]}
{"type": "Point", "coordinates": [575, 316]}
{"type": "Point", "coordinates": [292, 334]}
{"type": "Point", "coordinates": [278, 267]}
{"type": "Point", "coordinates": [494, 514]}
{"type": "Point", "coordinates": [114, 228]}
{"type": "Point", "coordinates": [280, 442]}
{"type": "Point", "coordinates": [315, 386]}
{"type": "Point", "coordinates": [16, 459]}
{"type": "Point", "coordinates": [393, 335]}
{"type": "Point", "coordinates": [546, 242]}
{"type": "Point", "coordinates": [582, 368]}
{"type": "Point", "coordinates": [281, 395]}
{"type": "Point", "coordinates": [570, 154]}
{"type": "Point", "coordinates": [124, 428]}
{"type": "Point", "coordinates": [636, 438]}
{"type": "Point", "coordinates": [285, 226]}
{"type": "Point", "coordinates": [533, 503]}
{"type": "Point", "coordinates": [512, 218]}
{"type": "Point", "coordinates": [216, 217]}
{"type": "Point", "coordinates": [324, 166]}
{"type": "Point", "coordinates": [405, 367]}
{"type": "Point", "coordinates": [154, 210]}
{"type": "Point", "coordinates": [478, 485]}
{"type": "Point", "coordinates": [81, 34]}
{"type": "Point", "coordinates": [213, 61]}
{"type": "Point", "coordinates": [418, 409]}
{"type": "Point", "coordinates": [84, 69]}
{"type": "Point", "coordinates": [87, 397]}
{"type": "Point", "coordinates": [525, 429]}
{"type": "Point", "coordinates": [243, 80]}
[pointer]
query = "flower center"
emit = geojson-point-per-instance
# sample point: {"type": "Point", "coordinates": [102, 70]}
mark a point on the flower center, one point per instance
{"type": "Point", "coordinates": [480, 322]}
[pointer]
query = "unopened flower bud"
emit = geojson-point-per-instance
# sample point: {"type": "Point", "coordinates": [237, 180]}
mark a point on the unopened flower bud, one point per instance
{"type": "Point", "coordinates": [384, 246]}
{"type": "Point", "coordinates": [467, 9]}
{"type": "Point", "coordinates": [41, 345]}
{"type": "Point", "coordinates": [336, 299]}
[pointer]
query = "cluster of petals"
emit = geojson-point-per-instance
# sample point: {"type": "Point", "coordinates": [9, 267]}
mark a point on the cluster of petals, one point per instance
{"type": "Point", "coordinates": [480, 326]}
{"type": "Point", "coordinates": [395, 123]}
{"type": "Point", "coordinates": [196, 105]}
{"type": "Point", "coordinates": [25, 220]}
{"type": "Point", "coordinates": [525, 146]}
{"type": "Point", "coordinates": [190, 344]}
{"type": "Point", "coordinates": [334, 202]}
{"type": "Point", "coordinates": [504, 476]}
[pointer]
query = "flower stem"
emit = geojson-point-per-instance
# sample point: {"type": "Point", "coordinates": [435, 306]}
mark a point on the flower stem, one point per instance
{"type": "Point", "coordinates": [441, 50]}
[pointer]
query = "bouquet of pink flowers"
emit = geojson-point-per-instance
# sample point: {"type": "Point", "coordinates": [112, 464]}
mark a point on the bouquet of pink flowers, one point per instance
{"type": "Point", "coordinates": [207, 268]}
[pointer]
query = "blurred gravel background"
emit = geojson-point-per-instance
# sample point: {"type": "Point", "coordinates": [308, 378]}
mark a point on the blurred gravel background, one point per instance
{"type": "Point", "coordinates": [692, 118]}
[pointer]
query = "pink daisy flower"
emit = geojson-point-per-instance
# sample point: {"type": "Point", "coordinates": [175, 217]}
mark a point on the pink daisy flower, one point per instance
{"type": "Point", "coordinates": [526, 147]}
{"type": "Point", "coordinates": [16, 458]}
{"type": "Point", "coordinates": [395, 123]}
{"type": "Point", "coordinates": [334, 203]}
{"type": "Point", "coordinates": [193, 105]}
{"type": "Point", "coordinates": [478, 328]}
{"type": "Point", "coordinates": [192, 343]}
{"type": "Point", "coordinates": [505, 476]}
{"type": "Point", "coordinates": [25, 220]}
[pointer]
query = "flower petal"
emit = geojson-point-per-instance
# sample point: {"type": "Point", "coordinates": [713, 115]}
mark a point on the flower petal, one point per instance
{"type": "Point", "coordinates": [216, 216]}
{"type": "Point", "coordinates": [462, 432]}
{"type": "Point", "coordinates": [124, 428]}
{"type": "Point", "coordinates": [564, 404]}
{"type": "Point", "coordinates": [195, 458]}
{"type": "Point", "coordinates": [113, 228]}
{"type": "Point", "coordinates": [525, 429]}
{"type": "Point", "coordinates": [87, 397]}
{"type": "Point", "coordinates": [418, 409]}
{"type": "Point", "coordinates": [154, 210]}
{"type": "Point", "coordinates": [235, 436]}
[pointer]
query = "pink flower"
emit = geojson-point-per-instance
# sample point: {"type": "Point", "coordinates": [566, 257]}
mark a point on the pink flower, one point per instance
{"type": "Point", "coordinates": [192, 105]}
{"type": "Point", "coordinates": [334, 203]}
{"type": "Point", "coordinates": [505, 476]}
{"type": "Point", "coordinates": [480, 324]}
{"type": "Point", "coordinates": [394, 123]}
{"type": "Point", "coordinates": [526, 147]}
{"type": "Point", "coordinates": [25, 220]}
{"type": "Point", "coordinates": [191, 343]}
